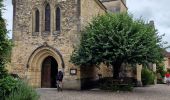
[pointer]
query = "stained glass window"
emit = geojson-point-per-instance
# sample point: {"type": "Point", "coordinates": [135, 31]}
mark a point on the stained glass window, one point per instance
{"type": "Point", "coordinates": [58, 18]}
{"type": "Point", "coordinates": [37, 20]}
{"type": "Point", "coordinates": [47, 17]}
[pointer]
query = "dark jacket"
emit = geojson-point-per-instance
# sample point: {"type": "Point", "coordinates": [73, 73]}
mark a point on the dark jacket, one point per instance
{"type": "Point", "coordinates": [60, 76]}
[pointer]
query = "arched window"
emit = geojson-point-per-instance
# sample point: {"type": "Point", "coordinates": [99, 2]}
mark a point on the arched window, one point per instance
{"type": "Point", "coordinates": [47, 17]}
{"type": "Point", "coordinates": [37, 20]}
{"type": "Point", "coordinates": [58, 19]}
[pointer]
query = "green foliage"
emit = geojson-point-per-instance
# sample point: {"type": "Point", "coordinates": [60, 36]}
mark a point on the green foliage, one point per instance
{"type": "Point", "coordinates": [118, 87]}
{"type": "Point", "coordinates": [1, 5]}
{"type": "Point", "coordinates": [14, 89]}
{"type": "Point", "coordinates": [108, 84]}
{"type": "Point", "coordinates": [148, 76]}
{"type": "Point", "coordinates": [168, 70]}
{"type": "Point", "coordinates": [23, 92]}
{"type": "Point", "coordinates": [161, 70]}
{"type": "Point", "coordinates": [5, 45]}
{"type": "Point", "coordinates": [7, 85]}
{"type": "Point", "coordinates": [117, 37]}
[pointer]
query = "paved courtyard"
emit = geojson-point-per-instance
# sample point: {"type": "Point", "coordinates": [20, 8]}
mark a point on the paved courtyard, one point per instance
{"type": "Point", "coordinates": [157, 92]}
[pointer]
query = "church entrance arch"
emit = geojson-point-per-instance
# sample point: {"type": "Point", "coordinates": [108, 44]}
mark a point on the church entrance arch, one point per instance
{"type": "Point", "coordinates": [43, 65]}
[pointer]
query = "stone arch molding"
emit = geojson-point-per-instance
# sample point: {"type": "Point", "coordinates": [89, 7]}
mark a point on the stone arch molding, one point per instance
{"type": "Point", "coordinates": [38, 55]}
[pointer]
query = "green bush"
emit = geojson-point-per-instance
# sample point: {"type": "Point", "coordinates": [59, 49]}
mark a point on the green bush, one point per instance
{"type": "Point", "coordinates": [7, 85]}
{"type": "Point", "coordinates": [23, 92]}
{"type": "Point", "coordinates": [14, 89]}
{"type": "Point", "coordinates": [160, 78]}
{"type": "Point", "coordinates": [116, 87]}
{"type": "Point", "coordinates": [110, 84]}
{"type": "Point", "coordinates": [148, 77]}
{"type": "Point", "coordinates": [161, 70]}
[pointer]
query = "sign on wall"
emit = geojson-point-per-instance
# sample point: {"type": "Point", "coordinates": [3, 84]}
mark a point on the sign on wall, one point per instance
{"type": "Point", "coordinates": [73, 71]}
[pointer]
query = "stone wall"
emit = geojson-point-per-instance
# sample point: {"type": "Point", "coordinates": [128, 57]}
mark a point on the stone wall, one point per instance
{"type": "Point", "coordinates": [90, 9]}
{"type": "Point", "coordinates": [105, 71]}
{"type": "Point", "coordinates": [115, 5]}
{"type": "Point", "coordinates": [26, 43]}
{"type": "Point", "coordinates": [30, 50]}
{"type": "Point", "coordinates": [167, 62]}
{"type": "Point", "coordinates": [123, 6]}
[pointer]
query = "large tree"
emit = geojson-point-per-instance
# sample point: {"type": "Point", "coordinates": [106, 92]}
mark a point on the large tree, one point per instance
{"type": "Point", "coordinates": [114, 39]}
{"type": "Point", "coordinates": [5, 44]}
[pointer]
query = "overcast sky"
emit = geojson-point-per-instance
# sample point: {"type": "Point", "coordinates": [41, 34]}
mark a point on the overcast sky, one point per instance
{"type": "Point", "coordinates": [157, 10]}
{"type": "Point", "coordinates": [8, 14]}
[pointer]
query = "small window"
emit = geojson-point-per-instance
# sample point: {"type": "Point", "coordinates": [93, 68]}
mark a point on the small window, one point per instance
{"type": "Point", "coordinates": [115, 9]}
{"type": "Point", "coordinates": [58, 19]}
{"type": "Point", "coordinates": [47, 18]}
{"type": "Point", "coordinates": [37, 20]}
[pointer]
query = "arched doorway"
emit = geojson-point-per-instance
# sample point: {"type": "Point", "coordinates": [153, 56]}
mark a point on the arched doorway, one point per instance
{"type": "Point", "coordinates": [36, 63]}
{"type": "Point", "coordinates": [49, 72]}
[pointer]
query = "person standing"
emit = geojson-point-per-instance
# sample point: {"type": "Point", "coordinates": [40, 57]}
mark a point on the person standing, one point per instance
{"type": "Point", "coordinates": [59, 80]}
{"type": "Point", "coordinates": [167, 75]}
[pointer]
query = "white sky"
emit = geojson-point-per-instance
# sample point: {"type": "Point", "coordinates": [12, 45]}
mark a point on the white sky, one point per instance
{"type": "Point", "coordinates": [157, 10]}
{"type": "Point", "coordinates": [8, 14]}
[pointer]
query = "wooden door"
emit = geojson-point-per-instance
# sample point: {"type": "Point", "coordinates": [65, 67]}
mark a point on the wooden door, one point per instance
{"type": "Point", "coordinates": [46, 73]}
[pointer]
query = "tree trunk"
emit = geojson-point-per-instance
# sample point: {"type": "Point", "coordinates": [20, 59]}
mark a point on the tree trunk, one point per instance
{"type": "Point", "coordinates": [116, 69]}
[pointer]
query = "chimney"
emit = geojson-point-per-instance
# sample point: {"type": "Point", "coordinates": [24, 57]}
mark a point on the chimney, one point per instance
{"type": "Point", "coordinates": [152, 23]}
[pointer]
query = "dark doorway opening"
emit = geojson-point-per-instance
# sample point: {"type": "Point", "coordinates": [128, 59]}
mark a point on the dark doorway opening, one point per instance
{"type": "Point", "coordinates": [49, 72]}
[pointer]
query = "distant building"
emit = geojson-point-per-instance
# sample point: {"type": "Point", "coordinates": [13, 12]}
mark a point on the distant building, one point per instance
{"type": "Point", "coordinates": [167, 60]}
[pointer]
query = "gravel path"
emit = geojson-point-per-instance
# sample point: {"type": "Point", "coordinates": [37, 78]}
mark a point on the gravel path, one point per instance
{"type": "Point", "coordinates": [156, 92]}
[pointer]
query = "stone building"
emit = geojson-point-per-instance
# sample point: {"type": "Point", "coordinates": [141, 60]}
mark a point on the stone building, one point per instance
{"type": "Point", "coordinates": [45, 33]}
{"type": "Point", "coordinates": [115, 5]}
{"type": "Point", "coordinates": [167, 60]}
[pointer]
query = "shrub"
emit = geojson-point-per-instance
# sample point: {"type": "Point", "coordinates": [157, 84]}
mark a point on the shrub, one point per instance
{"type": "Point", "coordinates": [7, 85]}
{"type": "Point", "coordinates": [14, 89]}
{"type": "Point", "coordinates": [23, 92]}
{"type": "Point", "coordinates": [148, 77]}
{"type": "Point", "coordinates": [161, 70]}
{"type": "Point", "coordinates": [110, 84]}
{"type": "Point", "coordinates": [116, 87]}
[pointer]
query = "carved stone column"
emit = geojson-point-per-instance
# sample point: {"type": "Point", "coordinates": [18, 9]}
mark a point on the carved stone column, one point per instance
{"type": "Point", "coordinates": [154, 70]}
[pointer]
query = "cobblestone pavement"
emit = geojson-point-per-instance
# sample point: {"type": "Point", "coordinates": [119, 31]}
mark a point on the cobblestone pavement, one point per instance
{"type": "Point", "coordinates": [157, 92]}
